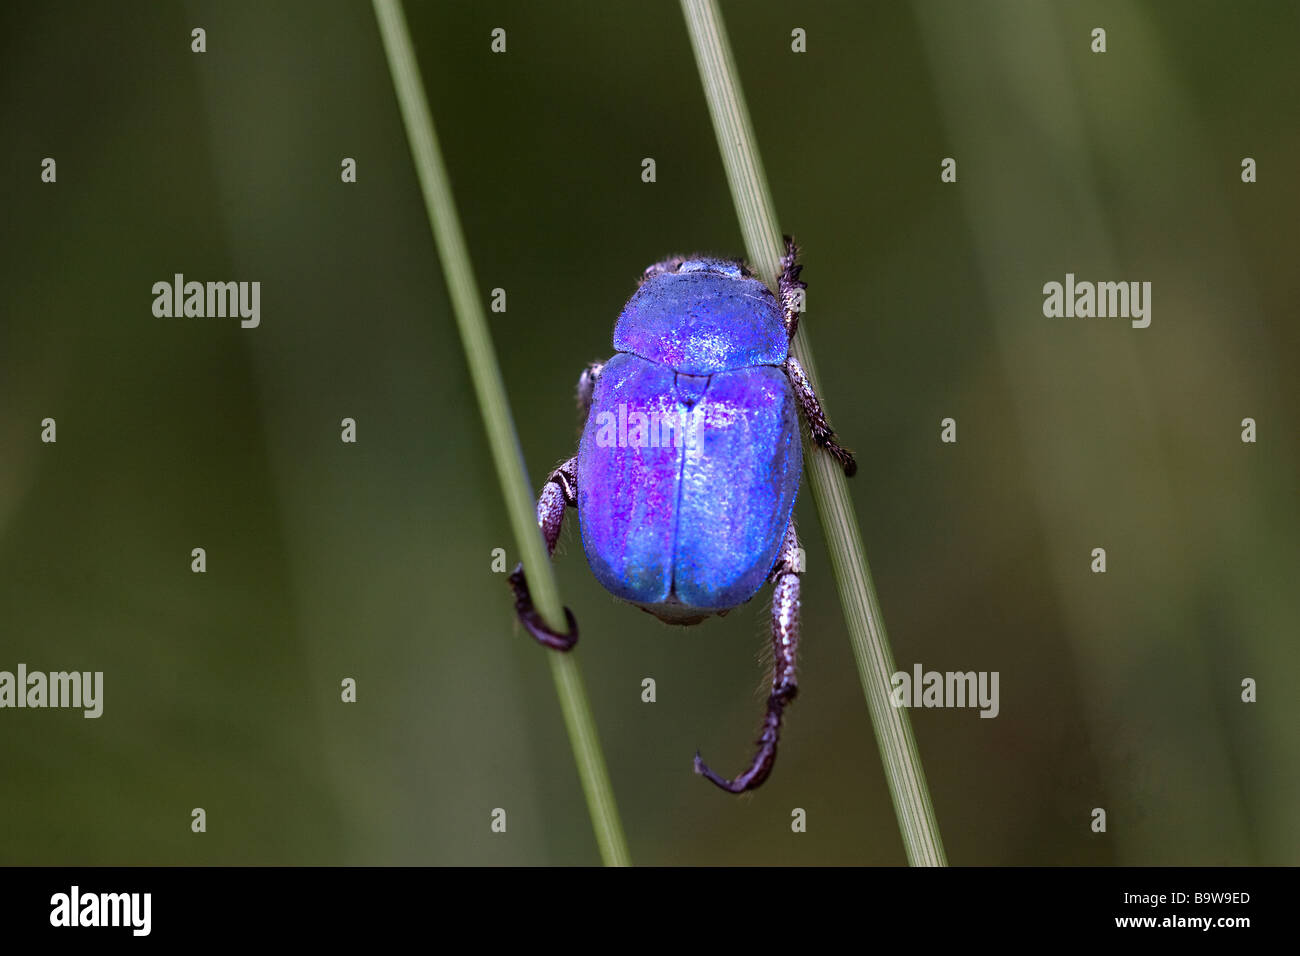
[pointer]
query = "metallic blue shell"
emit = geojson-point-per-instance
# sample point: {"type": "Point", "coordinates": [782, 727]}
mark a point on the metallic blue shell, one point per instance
{"type": "Point", "coordinates": [687, 527]}
{"type": "Point", "coordinates": [706, 317]}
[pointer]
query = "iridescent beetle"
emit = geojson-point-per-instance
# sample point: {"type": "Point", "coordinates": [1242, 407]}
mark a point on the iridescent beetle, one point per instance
{"type": "Point", "coordinates": [689, 464]}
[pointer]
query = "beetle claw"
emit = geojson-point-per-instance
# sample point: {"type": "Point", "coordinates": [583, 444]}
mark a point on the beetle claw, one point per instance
{"type": "Point", "coordinates": [845, 458]}
{"type": "Point", "coordinates": [749, 780]}
{"type": "Point", "coordinates": [532, 621]}
{"type": "Point", "coordinates": [730, 786]}
{"type": "Point", "coordinates": [763, 760]}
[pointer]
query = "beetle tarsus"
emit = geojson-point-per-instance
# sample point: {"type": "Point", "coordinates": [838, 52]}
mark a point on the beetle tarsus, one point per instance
{"type": "Point", "coordinates": [818, 427]}
{"type": "Point", "coordinates": [559, 493]}
{"type": "Point", "coordinates": [532, 621]}
{"type": "Point", "coordinates": [761, 766]}
{"type": "Point", "coordinates": [842, 455]}
{"type": "Point", "coordinates": [785, 648]}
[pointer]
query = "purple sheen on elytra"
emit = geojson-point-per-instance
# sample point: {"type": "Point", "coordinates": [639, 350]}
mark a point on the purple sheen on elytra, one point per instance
{"type": "Point", "coordinates": [696, 524]}
{"type": "Point", "coordinates": [706, 317]}
{"type": "Point", "coordinates": [627, 495]}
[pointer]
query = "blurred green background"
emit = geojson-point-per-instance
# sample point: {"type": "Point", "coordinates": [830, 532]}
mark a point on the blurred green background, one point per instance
{"type": "Point", "coordinates": [373, 560]}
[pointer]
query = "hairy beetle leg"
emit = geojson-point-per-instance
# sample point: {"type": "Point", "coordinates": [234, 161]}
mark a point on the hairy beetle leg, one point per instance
{"type": "Point", "coordinates": [791, 289]}
{"type": "Point", "coordinates": [788, 284]}
{"type": "Point", "coordinates": [818, 426]}
{"type": "Point", "coordinates": [559, 492]}
{"type": "Point", "coordinates": [785, 647]}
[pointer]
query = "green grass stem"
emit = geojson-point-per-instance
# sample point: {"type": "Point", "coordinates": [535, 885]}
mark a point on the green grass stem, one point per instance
{"type": "Point", "coordinates": [507, 456]}
{"type": "Point", "coordinates": [866, 625]}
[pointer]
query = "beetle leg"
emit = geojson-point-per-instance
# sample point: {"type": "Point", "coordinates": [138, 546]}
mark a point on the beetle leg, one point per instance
{"type": "Point", "coordinates": [790, 287]}
{"type": "Point", "coordinates": [818, 426]}
{"type": "Point", "coordinates": [785, 645]}
{"type": "Point", "coordinates": [560, 491]}
{"type": "Point", "coordinates": [587, 385]}
{"type": "Point", "coordinates": [659, 268]}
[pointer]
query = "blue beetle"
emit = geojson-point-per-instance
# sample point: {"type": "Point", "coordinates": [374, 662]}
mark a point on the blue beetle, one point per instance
{"type": "Point", "coordinates": [689, 464]}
